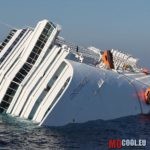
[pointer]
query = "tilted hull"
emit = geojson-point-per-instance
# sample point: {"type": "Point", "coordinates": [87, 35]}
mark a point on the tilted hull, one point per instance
{"type": "Point", "coordinates": [52, 82]}
{"type": "Point", "coordinates": [97, 94]}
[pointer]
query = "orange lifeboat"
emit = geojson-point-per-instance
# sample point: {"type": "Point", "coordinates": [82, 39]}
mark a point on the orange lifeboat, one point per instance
{"type": "Point", "coordinates": [147, 96]}
{"type": "Point", "coordinates": [107, 59]}
{"type": "Point", "coordinates": [146, 71]}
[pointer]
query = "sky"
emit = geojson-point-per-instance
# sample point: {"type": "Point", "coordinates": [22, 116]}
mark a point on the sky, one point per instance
{"type": "Point", "coordinates": [105, 24]}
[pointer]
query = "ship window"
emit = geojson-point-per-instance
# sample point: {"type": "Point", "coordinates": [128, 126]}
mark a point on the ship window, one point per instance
{"type": "Point", "coordinates": [45, 32]}
{"type": "Point", "coordinates": [37, 50]}
{"type": "Point", "coordinates": [43, 41]}
{"type": "Point", "coordinates": [12, 45]}
{"type": "Point", "coordinates": [42, 37]}
{"type": "Point", "coordinates": [13, 85]}
{"type": "Point", "coordinates": [49, 32]}
{"type": "Point", "coordinates": [20, 76]}
{"type": "Point", "coordinates": [44, 74]}
{"type": "Point", "coordinates": [23, 72]}
{"type": "Point", "coordinates": [33, 55]}
{"type": "Point", "coordinates": [6, 40]}
{"type": "Point", "coordinates": [9, 37]}
{"type": "Point", "coordinates": [53, 60]}
{"type": "Point", "coordinates": [56, 75]}
{"type": "Point", "coordinates": [9, 95]}
{"type": "Point", "coordinates": [17, 80]}
{"type": "Point", "coordinates": [7, 98]}
{"type": "Point", "coordinates": [4, 104]}
{"type": "Point", "coordinates": [58, 95]}
{"type": "Point", "coordinates": [39, 43]}
{"type": "Point", "coordinates": [3, 44]}
{"type": "Point", "coordinates": [29, 64]}
{"type": "Point", "coordinates": [31, 59]}
{"type": "Point", "coordinates": [48, 26]}
{"type": "Point", "coordinates": [26, 67]}
{"type": "Point", "coordinates": [45, 91]}
{"type": "Point", "coordinates": [10, 91]}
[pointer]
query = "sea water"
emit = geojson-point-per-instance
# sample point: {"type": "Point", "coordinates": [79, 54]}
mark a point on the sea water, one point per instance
{"type": "Point", "coordinates": [93, 135]}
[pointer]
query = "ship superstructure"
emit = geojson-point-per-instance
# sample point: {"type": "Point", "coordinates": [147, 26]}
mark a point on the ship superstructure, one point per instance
{"type": "Point", "coordinates": [52, 82]}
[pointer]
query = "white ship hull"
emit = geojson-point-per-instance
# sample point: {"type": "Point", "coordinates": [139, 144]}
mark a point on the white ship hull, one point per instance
{"type": "Point", "coordinates": [96, 94]}
{"type": "Point", "coordinates": [52, 83]}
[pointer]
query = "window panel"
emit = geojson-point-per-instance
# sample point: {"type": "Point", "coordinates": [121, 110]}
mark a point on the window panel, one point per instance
{"type": "Point", "coordinates": [7, 98]}
{"type": "Point", "coordinates": [37, 50]}
{"type": "Point", "coordinates": [4, 104]}
{"type": "Point", "coordinates": [10, 91]}
{"type": "Point", "coordinates": [13, 85]}
{"type": "Point", "coordinates": [48, 26]}
{"type": "Point", "coordinates": [26, 67]}
{"type": "Point", "coordinates": [20, 76]}
{"type": "Point", "coordinates": [17, 80]}
{"type": "Point", "coordinates": [29, 63]}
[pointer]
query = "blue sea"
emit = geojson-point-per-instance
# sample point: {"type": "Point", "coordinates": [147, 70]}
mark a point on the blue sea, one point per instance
{"type": "Point", "coordinates": [94, 135]}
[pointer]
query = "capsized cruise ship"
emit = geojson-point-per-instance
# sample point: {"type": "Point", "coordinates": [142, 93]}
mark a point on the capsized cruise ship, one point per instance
{"type": "Point", "coordinates": [52, 82]}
